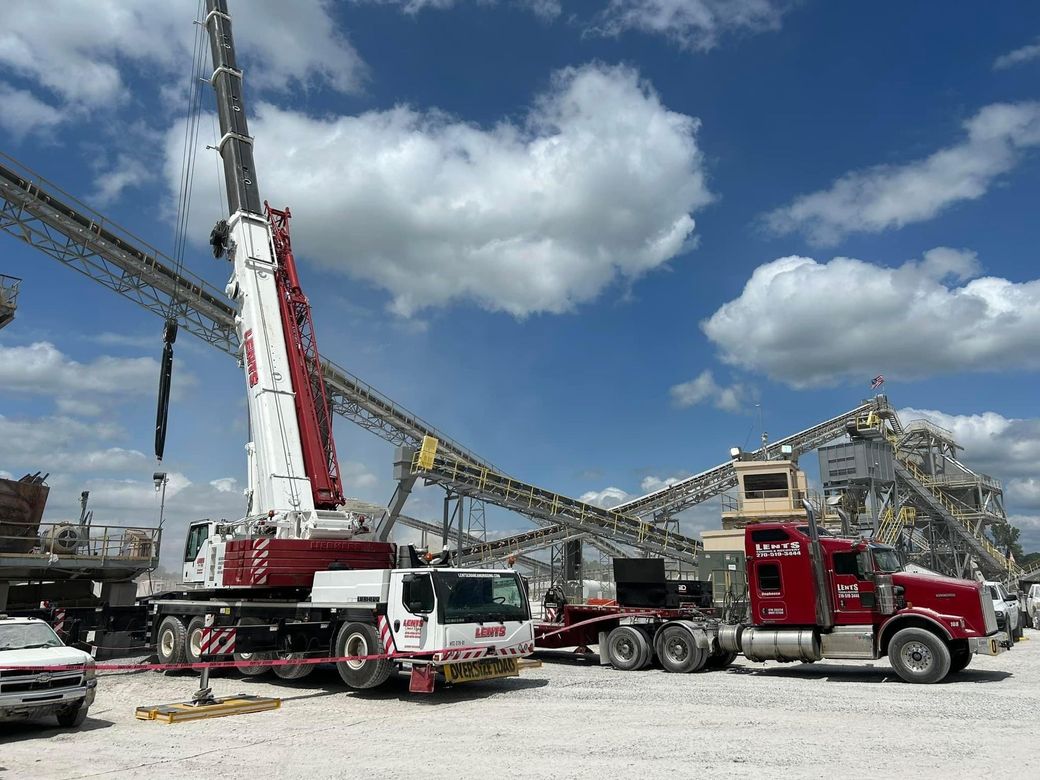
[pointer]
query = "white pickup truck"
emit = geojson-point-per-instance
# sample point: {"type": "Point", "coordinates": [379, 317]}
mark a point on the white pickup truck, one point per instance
{"type": "Point", "coordinates": [66, 691]}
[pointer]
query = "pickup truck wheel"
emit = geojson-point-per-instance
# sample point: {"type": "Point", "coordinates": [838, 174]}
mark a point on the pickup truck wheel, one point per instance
{"type": "Point", "coordinates": [627, 648]}
{"type": "Point", "coordinates": [72, 715]}
{"type": "Point", "coordinates": [170, 642]}
{"type": "Point", "coordinates": [355, 639]}
{"type": "Point", "coordinates": [919, 656]}
{"type": "Point", "coordinates": [250, 664]}
{"type": "Point", "coordinates": [193, 642]}
{"type": "Point", "coordinates": [678, 651]}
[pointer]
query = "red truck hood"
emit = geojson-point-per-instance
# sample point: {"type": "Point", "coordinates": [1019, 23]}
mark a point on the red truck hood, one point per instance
{"type": "Point", "coordinates": [944, 595]}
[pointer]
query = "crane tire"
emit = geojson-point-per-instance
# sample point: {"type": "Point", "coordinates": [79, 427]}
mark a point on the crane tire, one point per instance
{"type": "Point", "coordinates": [193, 640]}
{"type": "Point", "coordinates": [171, 641]}
{"type": "Point", "coordinates": [247, 663]}
{"type": "Point", "coordinates": [356, 639]}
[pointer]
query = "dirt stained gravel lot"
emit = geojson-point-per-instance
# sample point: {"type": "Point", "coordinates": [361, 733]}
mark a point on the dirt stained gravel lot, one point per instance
{"type": "Point", "coordinates": [563, 720]}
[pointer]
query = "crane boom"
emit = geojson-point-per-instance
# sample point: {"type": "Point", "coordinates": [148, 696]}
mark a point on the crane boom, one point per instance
{"type": "Point", "coordinates": [293, 469]}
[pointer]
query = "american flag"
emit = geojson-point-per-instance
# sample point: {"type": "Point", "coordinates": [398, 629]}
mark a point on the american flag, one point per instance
{"type": "Point", "coordinates": [876, 382]}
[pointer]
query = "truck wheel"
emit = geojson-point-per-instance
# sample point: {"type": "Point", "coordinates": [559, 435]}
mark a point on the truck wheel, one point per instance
{"type": "Point", "coordinates": [720, 660]}
{"type": "Point", "coordinates": [627, 648]}
{"type": "Point", "coordinates": [960, 657]}
{"type": "Point", "coordinates": [193, 643]}
{"type": "Point", "coordinates": [170, 642]}
{"type": "Point", "coordinates": [919, 656]}
{"type": "Point", "coordinates": [678, 651]}
{"type": "Point", "coordinates": [250, 664]}
{"type": "Point", "coordinates": [361, 639]}
{"type": "Point", "coordinates": [72, 715]}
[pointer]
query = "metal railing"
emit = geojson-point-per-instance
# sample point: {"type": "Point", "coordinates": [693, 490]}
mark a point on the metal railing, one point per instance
{"type": "Point", "coordinates": [95, 543]}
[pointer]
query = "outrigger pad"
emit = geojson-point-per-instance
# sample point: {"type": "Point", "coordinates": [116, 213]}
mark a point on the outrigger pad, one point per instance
{"type": "Point", "coordinates": [184, 711]}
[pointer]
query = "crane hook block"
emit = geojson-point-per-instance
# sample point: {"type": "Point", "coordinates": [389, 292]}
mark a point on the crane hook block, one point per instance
{"type": "Point", "coordinates": [218, 238]}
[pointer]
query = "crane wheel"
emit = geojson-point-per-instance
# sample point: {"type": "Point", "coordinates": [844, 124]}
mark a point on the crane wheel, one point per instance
{"type": "Point", "coordinates": [628, 649]}
{"type": "Point", "coordinates": [291, 671]}
{"type": "Point", "coordinates": [358, 639]}
{"type": "Point", "coordinates": [250, 664]}
{"type": "Point", "coordinates": [193, 642]}
{"type": "Point", "coordinates": [171, 641]}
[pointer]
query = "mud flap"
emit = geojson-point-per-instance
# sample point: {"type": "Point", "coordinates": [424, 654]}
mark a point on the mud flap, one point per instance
{"type": "Point", "coordinates": [422, 678]}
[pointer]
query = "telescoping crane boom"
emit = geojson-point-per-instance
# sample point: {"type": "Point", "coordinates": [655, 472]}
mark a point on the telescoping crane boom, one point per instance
{"type": "Point", "coordinates": [294, 474]}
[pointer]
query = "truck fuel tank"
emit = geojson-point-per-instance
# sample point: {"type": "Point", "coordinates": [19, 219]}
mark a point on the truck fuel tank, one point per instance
{"type": "Point", "coordinates": [784, 644]}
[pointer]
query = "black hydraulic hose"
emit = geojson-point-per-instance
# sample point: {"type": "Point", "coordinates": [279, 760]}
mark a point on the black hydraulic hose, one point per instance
{"type": "Point", "coordinates": [162, 410]}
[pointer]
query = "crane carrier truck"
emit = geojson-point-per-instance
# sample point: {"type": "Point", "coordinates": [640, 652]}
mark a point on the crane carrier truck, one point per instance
{"type": "Point", "coordinates": [811, 596]}
{"type": "Point", "coordinates": [299, 576]}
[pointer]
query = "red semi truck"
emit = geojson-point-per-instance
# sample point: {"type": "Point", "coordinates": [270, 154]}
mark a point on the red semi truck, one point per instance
{"type": "Point", "coordinates": [810, 597]}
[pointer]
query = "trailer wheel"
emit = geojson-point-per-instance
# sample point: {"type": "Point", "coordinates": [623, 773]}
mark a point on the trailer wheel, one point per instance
{"type": "Point", "coordinates": [628, 648]}
{"type": "Point", "coordinates": [170, 642]}
{"type": "Point", "coordinates": [193, 643]}
{"type": "Point", "coordinates": [361, 639]}
{"type": "Point", "coordinates": [250, 664]}
{"type": "Point", "coordinates": [919, 656]}
{"type": "Point", "coordinates": [678, 651]}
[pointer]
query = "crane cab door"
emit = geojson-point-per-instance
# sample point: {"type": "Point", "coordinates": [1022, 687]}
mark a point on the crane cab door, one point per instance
{"type": "Point", "coordinates": [195, 551]}
{"type": "Point", "coordinates": [412, 611]}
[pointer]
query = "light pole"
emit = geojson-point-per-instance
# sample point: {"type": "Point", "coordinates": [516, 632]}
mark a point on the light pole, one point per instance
{"type": "Point", "coordinates": [160, 478]}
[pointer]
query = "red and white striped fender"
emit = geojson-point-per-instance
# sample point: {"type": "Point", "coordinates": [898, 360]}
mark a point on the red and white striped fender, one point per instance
{"type": "Point", "coordinates": [386, 636]}
{"type": "Point", "coordinates": [217, 641]}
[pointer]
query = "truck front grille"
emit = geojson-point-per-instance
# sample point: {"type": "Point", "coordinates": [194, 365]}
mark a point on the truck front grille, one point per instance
{"type": "Point", "coordinates": [31, 683]}
{"type": "Point", "coordinates": [989, 614]}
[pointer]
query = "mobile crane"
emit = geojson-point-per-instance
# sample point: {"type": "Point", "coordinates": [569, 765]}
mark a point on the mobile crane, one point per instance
{"type": "Point", "coordinates": [299, 576]}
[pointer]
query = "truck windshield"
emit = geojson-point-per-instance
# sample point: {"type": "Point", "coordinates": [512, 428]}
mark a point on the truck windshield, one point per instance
{"type": "Point", "coordinates": [21, 636]}
{"type": "Point", "coordinates": [886, 560]}
{"type": "Point", "coordinates": [466, 597]}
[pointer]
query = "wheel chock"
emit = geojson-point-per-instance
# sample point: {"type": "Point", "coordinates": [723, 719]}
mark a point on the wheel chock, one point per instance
{"type": "Point", "coordinates": [216, 708]}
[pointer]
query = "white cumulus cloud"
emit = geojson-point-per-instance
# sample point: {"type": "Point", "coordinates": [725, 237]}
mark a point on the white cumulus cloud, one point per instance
{"type": "Point", "coordinates": [23, 112]}
{"type": "Point", "coordinates": [598, 183]}
{"type": "Point", "coordinates": [692, 24]}
{"type": "Point", "coordinates": [807, 323]}
{"type": "Point", "coordinates": [704, 389]}
{"type": "Point", "coordinates": [890, 196]}
{"type": "Point", "coordinates": [78, 50]}
{"type": "Point", "coordinates": [606, 498]}
{"type": "Point", "coordinates": [1027, 53]}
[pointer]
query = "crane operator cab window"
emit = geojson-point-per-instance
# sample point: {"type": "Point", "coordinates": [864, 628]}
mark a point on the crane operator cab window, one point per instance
{"type": "Point", "coordinates": [196, 536]}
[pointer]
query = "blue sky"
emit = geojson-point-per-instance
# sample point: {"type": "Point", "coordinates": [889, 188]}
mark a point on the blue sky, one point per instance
{"type": "Point", "coordinates": [555, 230]}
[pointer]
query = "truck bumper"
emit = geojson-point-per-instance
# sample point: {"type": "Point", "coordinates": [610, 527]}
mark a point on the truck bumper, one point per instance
{"type": "Point", "coordinates": [994, 644]}
{"type": "Point", "coordinates": [37, 705]}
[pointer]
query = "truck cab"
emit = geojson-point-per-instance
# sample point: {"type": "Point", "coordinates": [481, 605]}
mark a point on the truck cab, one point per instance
{"type": "Point", "coordinates": [835, 597]}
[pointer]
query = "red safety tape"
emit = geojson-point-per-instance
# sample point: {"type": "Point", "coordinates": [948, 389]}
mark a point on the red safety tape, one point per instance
{"type": "Point", "coordinates": [240, 664]}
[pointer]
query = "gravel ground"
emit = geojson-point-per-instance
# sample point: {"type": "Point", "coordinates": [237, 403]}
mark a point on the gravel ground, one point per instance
{"type": "Point", "coordinates": [568, 720]}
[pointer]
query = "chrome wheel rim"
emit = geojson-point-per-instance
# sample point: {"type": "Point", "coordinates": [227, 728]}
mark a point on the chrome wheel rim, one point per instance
{"type": "Point", "coordinates": [917, 656]}
{"type": "Point", "coordinates": [356, 645]}
{"type": "Point", "coordinates": [167, 643]}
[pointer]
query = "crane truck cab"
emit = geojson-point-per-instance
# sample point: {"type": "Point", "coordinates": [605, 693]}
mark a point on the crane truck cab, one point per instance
{"type": "Point", "coordinates": [815, 597]}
